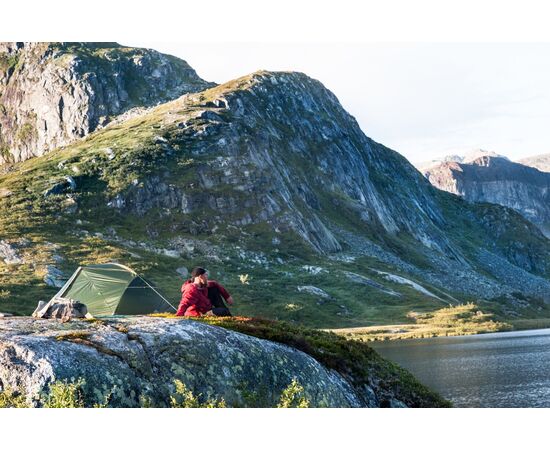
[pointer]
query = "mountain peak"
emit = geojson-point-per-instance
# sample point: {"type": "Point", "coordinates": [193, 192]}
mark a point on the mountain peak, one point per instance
{"type": "Point", "coordinates": [464, 158]}
{"type": "Point", "coordinates": [54, 93]}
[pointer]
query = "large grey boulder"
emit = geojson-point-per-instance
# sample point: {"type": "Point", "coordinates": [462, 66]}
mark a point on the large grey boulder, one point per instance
{"type": "Point", "coordinates": [9, 254]}
{"type": "Point", "coordinates": [60, 309]}
{"type": "Point", "coordinates": [129, 358]}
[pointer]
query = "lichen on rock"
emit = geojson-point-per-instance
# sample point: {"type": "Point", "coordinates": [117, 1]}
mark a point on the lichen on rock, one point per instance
{"type": "Point", "coordinates": [150, 353]}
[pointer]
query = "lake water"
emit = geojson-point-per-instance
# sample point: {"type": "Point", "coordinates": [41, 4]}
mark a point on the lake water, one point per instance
{"type": "Point", "coordinates": [510, 369]}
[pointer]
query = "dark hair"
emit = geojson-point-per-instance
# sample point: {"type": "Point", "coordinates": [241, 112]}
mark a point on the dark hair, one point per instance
{"type": "Point", "coordinates": [197, 271]}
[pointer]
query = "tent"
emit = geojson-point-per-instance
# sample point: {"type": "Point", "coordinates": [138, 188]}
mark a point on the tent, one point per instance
{"type": "Point", "coordinates": [113, 289]}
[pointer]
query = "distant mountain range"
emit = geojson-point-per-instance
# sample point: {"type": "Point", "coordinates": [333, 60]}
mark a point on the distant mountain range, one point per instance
{"type": "Point", "coordinates": [487, 177]}
{"type": "Point", "coordinates": [540, 162]}
{"type": "Point", "coordinates": [464, 159]}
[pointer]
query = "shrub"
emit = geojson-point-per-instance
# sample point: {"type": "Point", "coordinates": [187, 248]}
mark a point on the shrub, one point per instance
{"type": "Point", "coordinates": [10, 399]}
{"type": "Point", "coordinates": [293, 396]}
{"type": "Point", "coordinates": [5, 153]}
{"type": "Point", "coordinates": [26, 133]}
{"type": "Point", "coordinates": [64, 394]}
{"type": "Point", "coordinates": [186, 399]}
{"type": "Point", "coordinates": [8, 62]}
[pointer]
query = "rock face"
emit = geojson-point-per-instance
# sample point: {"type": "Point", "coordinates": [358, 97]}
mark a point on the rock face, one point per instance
{"type": "Point", "coordinates": [54, 277]}
{"type": "Point", "coordinates": [54, 93]}
{"type": "Point", "coordinates": [128, 358]}
{"type": "Point", "coordinates": [279, 149]}
{"type": "Point", "coordinates": [498, 180]}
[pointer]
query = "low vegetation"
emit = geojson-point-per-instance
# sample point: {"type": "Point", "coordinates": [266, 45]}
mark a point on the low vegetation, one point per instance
{"type": "Point", "coordinates": [10, 399]}
{"type": "Point", "coordinates": [184, 398]}
{"type": "Point", "coordinates": [293, 396]}
{"type": "Point", "coordinates": [26, 133]}
{"type": "Point", "coordinates": [65, 394]}
{"type": "Point", "coordinates": [452, 321]}
{"type": "Point", "coordinates": [69, 394]}
{"type": "Point", "coordinates": [7, 62]}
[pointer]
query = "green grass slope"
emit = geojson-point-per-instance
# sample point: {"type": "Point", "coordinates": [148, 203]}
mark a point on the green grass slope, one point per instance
{"type": "Point", "coordinates": [173, 144]}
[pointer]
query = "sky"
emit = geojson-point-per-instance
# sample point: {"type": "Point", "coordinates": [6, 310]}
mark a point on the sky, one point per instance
{"type": "Point", "coordinates": [422, 100]}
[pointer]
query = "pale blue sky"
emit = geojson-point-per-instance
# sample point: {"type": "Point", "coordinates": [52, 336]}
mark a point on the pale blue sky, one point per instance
{"type": "Point", "coordinates": [423, 100]}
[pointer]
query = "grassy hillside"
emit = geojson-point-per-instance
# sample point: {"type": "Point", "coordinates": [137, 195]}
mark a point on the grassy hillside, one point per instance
{"type": "Point", "coordinates": [170, 148]}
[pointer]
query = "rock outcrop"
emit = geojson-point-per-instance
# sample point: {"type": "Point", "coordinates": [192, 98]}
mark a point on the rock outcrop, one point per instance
{"type": "Point", "coordinates": [127, 359]}
{"type": "Point", "coordinates": [61, 309]}
{"type": "Point", "coordinates": [9, 254]}
{"type": "Point", "coordinates": [498, 180]}
{"type": "Point", "coordinates": [54, 93]}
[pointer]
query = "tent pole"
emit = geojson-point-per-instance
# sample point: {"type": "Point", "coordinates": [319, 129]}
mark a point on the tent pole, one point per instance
{"type": "Point", "coordinates": [66, 286]}
{"type": "Point", "coordinates": [157, 292]}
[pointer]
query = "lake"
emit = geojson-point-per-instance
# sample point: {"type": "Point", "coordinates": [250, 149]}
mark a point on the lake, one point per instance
{"type": "Point", "coordinates": [510, 369]}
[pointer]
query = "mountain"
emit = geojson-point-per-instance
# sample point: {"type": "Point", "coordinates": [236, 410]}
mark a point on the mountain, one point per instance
{"type": "Point", "coordinates": [465, 159]}
{"type": "Point", "coordinates": [54, 93]}
{"type": "Point", "coordinates": [498, 180]}
{"type": "Point", "coordinates": [540, 162]}
{"type": "Point", "coordinates": [268, 182]}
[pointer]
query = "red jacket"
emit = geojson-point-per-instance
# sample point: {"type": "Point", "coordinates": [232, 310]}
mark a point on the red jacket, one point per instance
{"type": "Point", "coordinates": [223, 291]}
{"type": "Point", "coordinates": [194, 300]}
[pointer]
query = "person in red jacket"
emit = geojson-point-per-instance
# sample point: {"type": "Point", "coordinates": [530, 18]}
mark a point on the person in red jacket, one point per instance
{"type": "Point", "coordinates": [200, 295]}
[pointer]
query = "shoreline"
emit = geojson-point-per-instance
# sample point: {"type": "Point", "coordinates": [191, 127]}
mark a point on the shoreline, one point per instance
{"type": "Point", "coordinates": [398, 332]}
{"type": "Point", "coordinates": [395, 332]}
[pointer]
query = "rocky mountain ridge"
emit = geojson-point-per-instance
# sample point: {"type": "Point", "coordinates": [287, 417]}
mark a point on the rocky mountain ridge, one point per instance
{"type": "Point", "coordinates": [501, 181]}
{"type": "Point", "coordinates": [465, 158]}
{"type": "Point", "coordinates": [54, 93]}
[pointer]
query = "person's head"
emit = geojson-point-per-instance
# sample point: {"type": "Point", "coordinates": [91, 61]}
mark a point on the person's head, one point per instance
{"type": "Point", "coordinates": [199, 275]}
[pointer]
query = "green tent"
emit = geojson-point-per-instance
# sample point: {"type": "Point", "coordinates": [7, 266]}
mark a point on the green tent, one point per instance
{"type": "Point", "coordinates": [113, 289]}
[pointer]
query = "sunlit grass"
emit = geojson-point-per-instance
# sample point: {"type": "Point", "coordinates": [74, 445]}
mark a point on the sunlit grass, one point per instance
{"type": "Point", "coordinates": [451, 321]}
